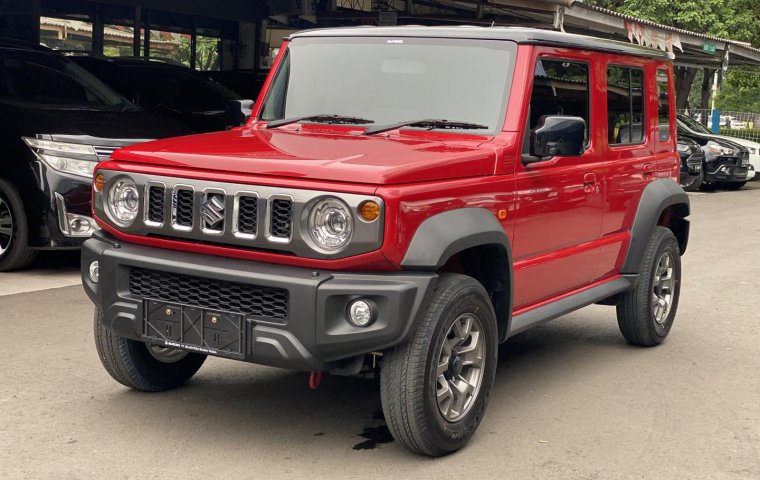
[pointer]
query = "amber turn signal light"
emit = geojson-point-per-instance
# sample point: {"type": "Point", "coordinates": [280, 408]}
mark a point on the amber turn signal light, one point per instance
{"type": "Point", "coordinates": [369, 211]}
{"type": "Point", "coordinates": [98, 183]}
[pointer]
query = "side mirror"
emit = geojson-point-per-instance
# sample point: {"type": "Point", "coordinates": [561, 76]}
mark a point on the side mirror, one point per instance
{"type": "Point", "coordinates": [236, 112]}
{"type": "Point", "coordinates": [557, 135]}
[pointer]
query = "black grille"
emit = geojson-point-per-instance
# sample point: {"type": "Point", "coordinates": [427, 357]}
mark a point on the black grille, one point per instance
{"type": "Point", "coordinates": [211, 294]}
{"type": "Point", "coordinates": [156, 204]}
{"type": "Point", "coordinates": [183, 213]}
{"type": "Point", "coordinates": [282, 218]}
{"type": "Point", "coordinates": [248, 215]}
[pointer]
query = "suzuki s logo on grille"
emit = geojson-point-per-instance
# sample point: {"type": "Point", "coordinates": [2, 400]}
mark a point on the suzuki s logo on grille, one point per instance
{"type": "Point", "coordinates": [212, 211]}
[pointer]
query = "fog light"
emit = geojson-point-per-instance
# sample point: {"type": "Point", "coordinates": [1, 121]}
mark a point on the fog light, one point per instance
{"type": "Point", "coordinates": [361, 312]}
{"type": "Point", "coordinates": [93, 272]}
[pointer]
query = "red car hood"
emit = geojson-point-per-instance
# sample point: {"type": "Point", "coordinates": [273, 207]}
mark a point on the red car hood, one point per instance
{"type": "Point", "coordinates": [315, 154]}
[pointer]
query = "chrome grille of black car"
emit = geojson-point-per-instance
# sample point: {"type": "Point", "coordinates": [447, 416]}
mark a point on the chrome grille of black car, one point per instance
{"type": "Point", "coordinates": [104, 152]}
{"type": "Point", "coordinates": [265, 302]}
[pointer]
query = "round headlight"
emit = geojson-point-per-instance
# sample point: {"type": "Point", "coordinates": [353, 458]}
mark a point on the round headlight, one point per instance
{"type": "Point", "coordinates": [123, 201]}
{"type": "Point", "coordinates": [331, 224]}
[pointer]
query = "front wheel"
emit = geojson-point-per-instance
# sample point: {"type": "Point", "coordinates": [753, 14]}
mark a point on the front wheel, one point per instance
{"type": "Point", "coordinates": [435, 388]}
{"type": "Point", "coordinates": [148, 368]}
{"type": "Point", "coordinates": [645, 314]}
{"type": "Point", "coordinates": [693, 182]}
{"type": "Point", "coordinates": [14, 249]}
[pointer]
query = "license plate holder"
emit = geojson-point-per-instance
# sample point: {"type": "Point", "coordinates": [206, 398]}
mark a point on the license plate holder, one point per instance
{"type": "Point", "coordinates": [206, 331]}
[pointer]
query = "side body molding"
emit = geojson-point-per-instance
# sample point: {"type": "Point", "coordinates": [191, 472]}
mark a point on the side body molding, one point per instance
{"type": "Point", "coordinates": [656, 197]}
{"type": "Point", "coordinates": [441, 236]}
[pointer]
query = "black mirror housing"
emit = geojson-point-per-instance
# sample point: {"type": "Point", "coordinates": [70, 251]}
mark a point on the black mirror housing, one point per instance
{"type": "Point", "coordinates": [236, 112]}
{"type": "Point", "coordinates": [558, 135]}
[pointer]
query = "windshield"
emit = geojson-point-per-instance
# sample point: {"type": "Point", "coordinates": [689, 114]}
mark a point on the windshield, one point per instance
{"type": "Point", "coordinates": [178, 88]}
{"type": "Point", "coordinates": [694, 125]}
{"type": "Point", "coordinates": [52, 81]}
{"type": "Point", "coordinates": [391, 80]}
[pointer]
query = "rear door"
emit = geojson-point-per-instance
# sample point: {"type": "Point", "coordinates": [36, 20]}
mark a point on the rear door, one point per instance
{"type": "Point", "coordinates": [559, 201]}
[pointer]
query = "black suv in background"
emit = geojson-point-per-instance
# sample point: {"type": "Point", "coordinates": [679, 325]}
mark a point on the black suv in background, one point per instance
{"type": "Point", "coordinates": [726, 163]}
{"type": "Point", "coordinates": [171, 90]}
{"type": "Point", "coordinates": [56, 122]}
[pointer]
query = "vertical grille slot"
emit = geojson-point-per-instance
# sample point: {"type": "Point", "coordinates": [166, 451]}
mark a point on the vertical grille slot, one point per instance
{"type": "Point", "coordinates": [156, 209]}
{"type": "Point", "coordinates": [281, 218]}
{"type": "Point", "coordinates": [248, 215]}
{"type": "Point", "coordinates": [182, 208]}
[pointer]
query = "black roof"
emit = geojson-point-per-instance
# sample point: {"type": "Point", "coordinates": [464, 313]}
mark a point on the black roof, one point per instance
{"type": "Point", "coordinates": [532, 36]}
{"type": "Point", "coordinates": [13, 44]}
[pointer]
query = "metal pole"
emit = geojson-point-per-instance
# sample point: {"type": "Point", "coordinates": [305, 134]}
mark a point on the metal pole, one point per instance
{"type": "Point", "coordinates": [136, 35]}
{"type": "Point", "coordinates": [98, 32]}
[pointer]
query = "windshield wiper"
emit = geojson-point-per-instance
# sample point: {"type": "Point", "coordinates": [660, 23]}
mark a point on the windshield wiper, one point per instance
{"type": "Point", "coordinates": [321, 118]}
{"type": "Point", "coordinates": [429, 123]}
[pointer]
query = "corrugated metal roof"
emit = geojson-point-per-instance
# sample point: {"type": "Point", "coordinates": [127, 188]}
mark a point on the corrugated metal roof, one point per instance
{"type": "Point", "coordinates": [650, 23]}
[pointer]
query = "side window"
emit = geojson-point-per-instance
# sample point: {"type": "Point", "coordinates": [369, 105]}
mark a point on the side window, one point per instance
{"type": "Point", "coordinates": [559, 88]}
{"type": "Point", "coordinates": [625, 105]}
{"type": "Point", "coordinates": [663, 104]}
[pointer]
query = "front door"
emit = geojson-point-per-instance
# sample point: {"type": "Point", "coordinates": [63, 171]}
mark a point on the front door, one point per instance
{"type": "Point", "coordinates": [560, 200]}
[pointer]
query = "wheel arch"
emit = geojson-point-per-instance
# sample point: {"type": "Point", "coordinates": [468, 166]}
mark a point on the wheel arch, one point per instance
{"type": "Point", "coordinates": [470, 241]}
{"type": "Point", "coordinates": [663, 203]}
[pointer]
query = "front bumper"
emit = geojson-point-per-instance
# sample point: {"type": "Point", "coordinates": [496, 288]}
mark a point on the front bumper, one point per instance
{"type": "Point", "coordinates": [727, 173]}
{"type": "Point", "coordinates": [314, 331]}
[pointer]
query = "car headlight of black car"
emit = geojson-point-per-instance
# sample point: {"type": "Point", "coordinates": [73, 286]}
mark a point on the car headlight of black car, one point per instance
{"type": "Point", "coordinates": [74, 158]}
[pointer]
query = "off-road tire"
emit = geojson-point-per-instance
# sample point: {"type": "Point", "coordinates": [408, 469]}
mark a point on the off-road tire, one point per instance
{"type": "Point", "coordinates": [409, 377]}
{"type": "Point", "coordinates": [130, 362]}
{"type": "Point", "coordinates": [18, 254]}
{"type": "Point", "coordinates": [636, 310]}
{"type": "Point", "coordinates": [694, 182]}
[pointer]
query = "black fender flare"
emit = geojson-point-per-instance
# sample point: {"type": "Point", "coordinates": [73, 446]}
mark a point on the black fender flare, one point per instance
{"type": "Point", "coordinates": [656, 197]}
{"type": "Point", "coordinates": [445, 234]}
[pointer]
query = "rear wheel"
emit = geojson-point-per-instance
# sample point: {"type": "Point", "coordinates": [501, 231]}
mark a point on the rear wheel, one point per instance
{"type": "Point", "coordinates": [693, 182]}
{"type": "Point", "coordinates": [646, 313]}
{"type": "Point", "coordinates": [149, 368]}
{"type": "Point", "coordinates": [435, 388]}
{"type": "Point", "coordinates": [14, 249]}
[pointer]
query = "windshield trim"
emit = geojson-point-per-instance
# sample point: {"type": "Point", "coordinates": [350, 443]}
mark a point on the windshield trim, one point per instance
{"type": "Point", "coordinates": [506, 88]}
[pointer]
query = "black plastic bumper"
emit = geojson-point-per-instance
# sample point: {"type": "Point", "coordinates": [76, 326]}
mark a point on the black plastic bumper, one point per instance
{"type": "Point", "coordinates": [315, 329]}
{"type": "Point", "coordinates": [727, 173]}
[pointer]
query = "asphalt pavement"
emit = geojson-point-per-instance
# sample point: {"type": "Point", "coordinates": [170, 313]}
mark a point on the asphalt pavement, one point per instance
{"type": "Point", "coordinates": [572, 400]}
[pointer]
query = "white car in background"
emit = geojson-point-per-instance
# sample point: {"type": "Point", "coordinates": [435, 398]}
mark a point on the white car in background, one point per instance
{"type": "Point", "coordinates": [694, 126]}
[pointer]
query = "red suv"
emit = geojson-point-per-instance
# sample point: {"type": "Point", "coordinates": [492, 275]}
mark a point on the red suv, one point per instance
{"type": "Point", "coordinates": [409, 195]}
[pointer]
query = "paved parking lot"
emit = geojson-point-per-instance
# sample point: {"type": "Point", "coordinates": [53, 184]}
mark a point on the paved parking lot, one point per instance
{"type": "Point", "coordinates": [572, 400]}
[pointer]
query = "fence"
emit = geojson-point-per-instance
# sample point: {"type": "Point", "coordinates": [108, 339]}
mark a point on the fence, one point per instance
{"type": "Point", "coordinates": [744, 125]}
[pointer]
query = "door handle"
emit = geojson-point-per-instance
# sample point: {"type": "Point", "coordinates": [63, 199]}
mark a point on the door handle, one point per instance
{"type": "Point", "coordinates": [648, 170]}
{"type": "Point", "coordinates": [590, 185]}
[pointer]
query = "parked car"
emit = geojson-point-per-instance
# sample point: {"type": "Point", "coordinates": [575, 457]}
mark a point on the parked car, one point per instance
{"type": "Point", "coordinates": [693, 127]}
{"type": "Point", "coordinates": [726, 163]}
{"type": "Point", "coordinates": [245, 83]}
{"type": "Point", "coordinates": [692, 159]}
{"type": "Point", "coordinates": [365, 215]}
{"type": "Point", "coordinates": [171, 90]}
{"type": "Point", "coordinates": [56, 122]}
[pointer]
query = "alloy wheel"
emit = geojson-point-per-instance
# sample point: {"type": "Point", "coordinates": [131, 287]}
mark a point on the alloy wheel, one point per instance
{"type": "Point", "coordinates": [6, 226]}
{"type": "Point", "coordinates": [663, 286]}
{"type": "Point", "coordinates": [459, 373]}
{"type": "Point", "coordinates": [166, 354]}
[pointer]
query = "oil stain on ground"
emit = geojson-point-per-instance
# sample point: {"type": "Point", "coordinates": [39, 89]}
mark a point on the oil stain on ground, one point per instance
{"type": "Point", "coordinates": [375, 436]}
